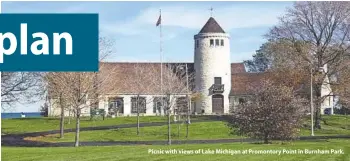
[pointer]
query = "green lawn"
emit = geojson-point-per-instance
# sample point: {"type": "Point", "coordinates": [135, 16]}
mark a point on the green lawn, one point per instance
{"type": "Point", "coordinates": [23, 125]}
{"type": "Point", "coordinates": [332, 125]}
{"type": "Point", "coordinates": [203, 130]}
{"type": "Point", "coordinates": [126, 153]}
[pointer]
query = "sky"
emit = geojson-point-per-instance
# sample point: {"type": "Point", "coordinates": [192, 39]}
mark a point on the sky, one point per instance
{"type": "Point", "coordinates": [131, 25]}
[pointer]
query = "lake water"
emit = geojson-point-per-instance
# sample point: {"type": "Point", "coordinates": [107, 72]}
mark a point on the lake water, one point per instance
{"type": "Point", "coordinates": [18, 115]}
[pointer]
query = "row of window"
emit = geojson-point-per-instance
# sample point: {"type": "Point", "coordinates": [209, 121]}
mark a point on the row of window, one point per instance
{"type": "Point", "coordinates": [212, 42]}
{"type": "Point", "coordinates": [117, 104]}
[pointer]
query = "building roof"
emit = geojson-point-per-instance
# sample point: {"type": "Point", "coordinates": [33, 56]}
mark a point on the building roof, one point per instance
{"type": "Point", "coordinates": [211, 27]}
{"type": "Point", "coordinates": [237, 68]}
{"type": "Point", "coordinates": [137, 78]}
{"type": "Point", "coordinates": [246, 83]}
{"type": "Point", "coordinates": [127, 72]}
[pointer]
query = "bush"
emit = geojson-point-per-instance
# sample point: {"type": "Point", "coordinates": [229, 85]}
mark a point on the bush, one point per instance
{"type": "Point", "coordinates": [274, 112]}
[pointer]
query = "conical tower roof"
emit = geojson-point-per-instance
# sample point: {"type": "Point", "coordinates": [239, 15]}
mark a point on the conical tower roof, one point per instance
{"type": "Point", "coordinates": [211, 27]}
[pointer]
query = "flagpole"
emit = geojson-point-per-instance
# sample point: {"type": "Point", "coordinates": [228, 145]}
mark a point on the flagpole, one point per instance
{"type": "Point", "coordinates": [161, 58]}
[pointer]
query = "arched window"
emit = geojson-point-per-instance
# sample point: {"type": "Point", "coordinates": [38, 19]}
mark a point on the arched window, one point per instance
{"type": "Point", "coordinates": [222, 42]}
{"type": "Point", "coordinates": [211, 42]}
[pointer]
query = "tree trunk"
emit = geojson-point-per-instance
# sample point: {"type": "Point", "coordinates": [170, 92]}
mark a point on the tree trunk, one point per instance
{"type": "Point", "coordinates": [138, 116]}
{"type": "Point", "coordinates": [77, 129]}
{"type": "Point", "coordinates": [138, 123]}
{"type": "Point", "coordinates": [188, 115]}
{"type": "Point", "coordinates": [266, 140]}
{"type": "Point", "coordinates": [69, 116]}
{"type": "Point", "coordinates": [318, 117]}
{"type": "Point", "coordinates": [169, 124]}
{"type": "Point", "coordinates": [62, 119]}
{"type": "Point", "coordinates": [178, 125]}
{"type": "Point", "coordinates": [318, 108]}
{"type": "Point", "coordinates": [187, 122]}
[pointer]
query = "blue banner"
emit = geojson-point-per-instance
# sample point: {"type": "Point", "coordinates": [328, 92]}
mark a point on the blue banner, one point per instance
{"type": "Point", "coordinates": [49, 42]}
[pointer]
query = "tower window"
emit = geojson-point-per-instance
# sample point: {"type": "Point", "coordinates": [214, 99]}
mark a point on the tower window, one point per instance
{"type": "Point", "coordinates": [217, 80]}
{"type": "Point", "coordinates": [211, 42]}
{"type": "Point", "coordinates": [222, 42]}
{"type": "Point", "coordinates": [217, 42]}
{"type": "Point", "coordinates": [197, 43]}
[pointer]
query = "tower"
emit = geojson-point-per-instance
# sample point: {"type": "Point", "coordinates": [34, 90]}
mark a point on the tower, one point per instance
{"type": "Point", "coordinates": [213, 69]}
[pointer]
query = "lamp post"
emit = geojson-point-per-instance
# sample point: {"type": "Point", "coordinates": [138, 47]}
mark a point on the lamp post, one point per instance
{"type": "Point", "coordinates": [311, 103]}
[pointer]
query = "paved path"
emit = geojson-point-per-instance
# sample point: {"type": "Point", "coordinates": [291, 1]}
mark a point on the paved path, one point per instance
{"type": "Point", "coordinates": [17, 140]}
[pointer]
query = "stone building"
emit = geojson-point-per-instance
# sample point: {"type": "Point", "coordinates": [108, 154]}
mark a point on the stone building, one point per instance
{"type": "Point", "coordinates": [222, 84]}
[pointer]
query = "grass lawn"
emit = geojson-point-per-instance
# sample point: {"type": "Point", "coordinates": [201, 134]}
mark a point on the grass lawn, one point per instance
{"type": "Point", "coordinates": [126, 153]}
{"type": "Point", "coordinates": [335, 125]}
{"type": "Point", "coordinates": [203, 130]}
{"type": "Point", "coordinates": [23, 125]}
{"type": "Point", "coordinates": [332, 125]}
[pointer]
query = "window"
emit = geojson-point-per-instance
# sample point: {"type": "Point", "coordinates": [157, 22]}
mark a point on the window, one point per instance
{"type": "Point", "coordinates": [197, 43]}
{"type": "Point", "coordinates": [141, 104]}
{"type": "Point", "coordinates": [116, 105]}
{"type": "Point", "coordinates": [217, 42]}
{"type": "Point", "coordinates": [83, 99]}
{"type": "Point", "coordinates": [222, 42]}
{"type": "Point", "coordinates": [158, 104]}
{"type": "Point", "coordinates": [181, 104]}
{"type": "Point", "coordinates": [211, 42]}
{"type": "Point", "coordinates": [217, 80]}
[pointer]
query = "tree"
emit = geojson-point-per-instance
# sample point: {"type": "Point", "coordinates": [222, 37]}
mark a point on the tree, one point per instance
{"type": "Point", "coordinates": [81, 90]}
{"type": "Point", "coordinates": [342, 89]}
{"type": "Point", "coordinates": [324, 27]}
{"type": "Point", "coordinates": [175, 79]}
{"type": "Point", "coordinates": [22, 87]}
{"type": "Point", "coordinates": [44, 110]}
{"type": "Point", "coordinates": [273, 112]}
{"type": "Point", "coordinates": [260, 62]}
{"type": "Point", "coordinates": [55, 83]}
{"type": "Point", "coordinates": [142, 81]}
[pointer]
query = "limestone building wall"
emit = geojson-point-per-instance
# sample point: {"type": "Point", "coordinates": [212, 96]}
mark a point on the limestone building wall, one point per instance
{"type": "Point", "coordinates": [211, 61]}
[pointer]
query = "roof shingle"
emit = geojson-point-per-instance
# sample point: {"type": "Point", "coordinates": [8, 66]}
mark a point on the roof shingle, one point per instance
{"type": "Point", "coordinates": [211, 27]}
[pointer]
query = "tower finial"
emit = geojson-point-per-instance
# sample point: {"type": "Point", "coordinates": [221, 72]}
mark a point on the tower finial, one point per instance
{"type": "Point", "coordinates": [211, 11]}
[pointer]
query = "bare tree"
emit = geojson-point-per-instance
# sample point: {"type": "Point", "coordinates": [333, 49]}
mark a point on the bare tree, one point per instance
{"type": "Point", "coordinates": [81, 90]}
{"type": "Point", "coordinates": [324, 27]}
{"type": "Point", "coordinates": [174, 85]}
{"type": "Point", "coordinates": [20, 87]}
{"type": "Point", "coordinates": [142, 82]}
{"type": "Point", "coordinates": [55, 83]}
{"type": "Point", "coordinates": [274, 112]}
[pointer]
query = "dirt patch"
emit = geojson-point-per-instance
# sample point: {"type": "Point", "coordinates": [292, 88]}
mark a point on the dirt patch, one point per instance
{"type": "Point", "coordinates": [41, 138]}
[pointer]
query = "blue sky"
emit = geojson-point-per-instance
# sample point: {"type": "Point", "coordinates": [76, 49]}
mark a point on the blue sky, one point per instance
{"type": "Point", "coordinates": [132, 26]}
